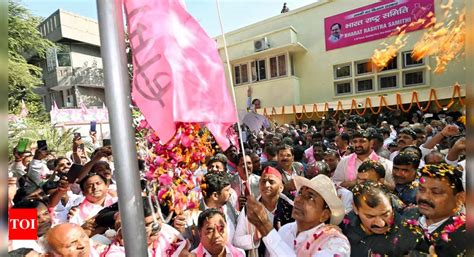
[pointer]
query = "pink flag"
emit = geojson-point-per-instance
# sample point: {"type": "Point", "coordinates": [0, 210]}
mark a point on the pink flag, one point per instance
{"type": "Point", "coordinates": [83, 108]}
{"type": "Point", "coordinates": [178, 75]}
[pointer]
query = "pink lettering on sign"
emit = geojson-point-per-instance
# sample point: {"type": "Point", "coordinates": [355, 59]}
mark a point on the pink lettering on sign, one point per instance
{"type": "Point", "coordinates": [376, 21]}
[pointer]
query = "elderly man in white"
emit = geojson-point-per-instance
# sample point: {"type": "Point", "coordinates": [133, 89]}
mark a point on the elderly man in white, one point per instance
{"type": "Point", "coordinates": [315, 204]}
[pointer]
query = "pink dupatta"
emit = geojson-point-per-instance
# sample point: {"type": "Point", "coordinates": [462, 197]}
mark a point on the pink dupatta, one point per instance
{"type": "Point", "coordinates": [351, 164]}
{"type": "Point", "coordinates": [317, 241]}
{"type": "Point", "coordinates": [231, 248]}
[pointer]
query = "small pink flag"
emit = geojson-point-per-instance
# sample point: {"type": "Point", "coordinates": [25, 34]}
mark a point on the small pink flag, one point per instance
{"type": "Point", "coordinates": [178, 73]}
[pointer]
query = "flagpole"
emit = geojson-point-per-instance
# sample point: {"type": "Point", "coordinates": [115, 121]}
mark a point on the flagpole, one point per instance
{"type": "Point", "coordinates": [117, 93]}
{"type": "Point", "coordinates": [229, 71]}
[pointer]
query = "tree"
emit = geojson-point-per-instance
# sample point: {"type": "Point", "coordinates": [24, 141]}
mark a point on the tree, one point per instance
{"type": "Point", "coordinates": [59, 139]}
{"type": "Point", "coordinates": [24, 38]}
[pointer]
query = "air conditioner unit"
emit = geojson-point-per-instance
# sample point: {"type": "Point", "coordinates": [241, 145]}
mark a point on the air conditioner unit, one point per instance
{"type": "Point", "coordinates": [261, 44]}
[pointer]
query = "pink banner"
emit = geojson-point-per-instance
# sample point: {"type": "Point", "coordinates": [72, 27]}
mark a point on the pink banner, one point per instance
{"type": "Point", "coordinates": [82, 115]}
{"type": "Point", "coordinates": [376, 21]}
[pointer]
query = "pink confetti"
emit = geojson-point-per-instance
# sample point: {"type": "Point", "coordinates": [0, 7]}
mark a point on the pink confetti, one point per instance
{"type": "Point", "coordinates": [444, 236]}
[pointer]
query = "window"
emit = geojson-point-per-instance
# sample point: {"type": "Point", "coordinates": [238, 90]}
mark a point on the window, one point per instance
{"type": "Point", "coordinates": [69, 97]}
{"type": "Point", "coordinates": [408, 61]}
{"type": "Point", "coordinates": [391, 65]}
{"type": "Point", "coordinates": [413, 78]}
{"type": "Point", "coordinates": [342, 71]}
{"type": "Point", "coordinates": [277, 66]}
{"type": "Point", "coordinates": [273, 67]}
{"type": "Point", "coordinates": [64, 56]}
{"type": "Point", "coordinates": [237, 75]}
{"type": "Point", "coordinates": [388, 82]}
{"type": "Point", "coordinates": [244, 73]}
{"type": "Point", "coordinates": [241, 74]}
{"type": "Point", "coordinates": [364, 85]}
{"type": "Point", "coordinates": [259, 71]}
{"type": "Point", "coordinates": [343, 88]}
{"type": "Point", "coordinates": [262, 71]}
{"type": "Point", "coordinates": [282, 65]}
{"type": "Point", "coordinates": [364, 67]}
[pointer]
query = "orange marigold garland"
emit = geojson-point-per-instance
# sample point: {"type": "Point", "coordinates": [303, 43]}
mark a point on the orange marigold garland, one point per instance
{"type": "Point", "coordinates": [172, 166]}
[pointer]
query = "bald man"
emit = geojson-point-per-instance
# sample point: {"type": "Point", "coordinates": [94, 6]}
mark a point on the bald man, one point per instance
{"type": "Point", "coordinates": [69, 240]}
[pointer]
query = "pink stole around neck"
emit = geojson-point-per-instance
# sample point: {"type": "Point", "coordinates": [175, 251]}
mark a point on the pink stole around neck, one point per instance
{"type": "Point", "coordinates": [316, 241]}
{"type": "Point", "coordinates": [351, 165]}
{"type": "Point", "coordinates": [231, 248]}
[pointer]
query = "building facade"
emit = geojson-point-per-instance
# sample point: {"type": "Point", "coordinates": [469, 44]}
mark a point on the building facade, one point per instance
{"type": "Point", "coordinates": [72, 72]}
{"type": "Point", "coordinates": [286, 61]}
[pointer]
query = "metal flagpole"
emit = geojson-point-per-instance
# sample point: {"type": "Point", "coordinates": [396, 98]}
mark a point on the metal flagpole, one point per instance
{"type": "Point", "coordinates": [253, 252]}
{"type": "Point", "coordinates": [117, 93]}
{"type": "Point", "coordinates": [233, 94]}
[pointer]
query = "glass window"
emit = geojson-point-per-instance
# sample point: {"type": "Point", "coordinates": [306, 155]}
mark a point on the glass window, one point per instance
{"type": "Point", "coordinates": [342, 71]}
{"type": "Point", "coordinates": [364, 67]}
{"type": "Point", "coordinates": [343, 88]}
{"type": "Point", "coordinates": [64, 55]}
{"type": "Point", "coordinates": [391, 65]}
{"type": "Point", "coordinates": [244, 73]}
{"type": "Point", "coordinates": [364, 85]}
{"type": "Point", "coordinates": [237, 74]}
{"type": "Point", "coordinates": [414, 78]}
{"type": "Point", "coordinates": [64, 59]}
{"type": "Point", "coordinates": [273, 67]}
{"type": "Point", "coordinates": [388, 82]}
{"type": "Point", "coordinates": [282, 65]}
{"type": "Point", "coordinates": [408, 61]}
{"type": "Point", "coordinates": [262, 71]}
{"type": "Point", "coordinates": [253, 67]}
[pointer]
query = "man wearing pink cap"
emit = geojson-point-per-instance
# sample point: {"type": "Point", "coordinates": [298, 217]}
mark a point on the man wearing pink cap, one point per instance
{"type": "Point", "coordinates": [277, 207]}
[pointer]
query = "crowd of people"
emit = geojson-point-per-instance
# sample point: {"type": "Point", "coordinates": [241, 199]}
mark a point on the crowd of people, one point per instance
{"type": "Point", "coordinates": [355, 186]}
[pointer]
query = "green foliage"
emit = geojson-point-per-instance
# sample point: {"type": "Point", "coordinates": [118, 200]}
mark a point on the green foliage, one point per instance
{"type": "Point", "coordinates": [24, 39]}
{"type": "Point", "coordinates": [58, 139]}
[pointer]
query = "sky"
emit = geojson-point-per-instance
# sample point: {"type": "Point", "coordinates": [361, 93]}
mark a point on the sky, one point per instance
{"type": "Point", "coordinates": [235, 13]}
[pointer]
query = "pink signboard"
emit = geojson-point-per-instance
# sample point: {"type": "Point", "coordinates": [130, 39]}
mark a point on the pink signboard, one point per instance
{"type": "Point", "coordinates": [375, 21]}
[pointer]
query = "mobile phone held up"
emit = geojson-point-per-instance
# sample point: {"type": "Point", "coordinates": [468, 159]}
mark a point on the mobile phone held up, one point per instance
{"type": "Point", "coordinates": [93, 126]}
{"type": "Point", "coordinates": [22, 145]}
{"type": "Point", "coordinates": [74, 172]}
{"type": "Point", "coordinates": [42, 145]}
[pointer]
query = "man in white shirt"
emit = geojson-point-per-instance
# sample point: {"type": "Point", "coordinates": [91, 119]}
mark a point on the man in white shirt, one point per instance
{"type": "Point", "coordinates": [346, 171]}
{"type": "Point", "coordinates": [277, 206]}
{"type": "Point", "coordinates": [316, 203]}
{"type": "Point", "coordinates": [239, 181]}
{"type": "Point", "coordinates": [216, 192]}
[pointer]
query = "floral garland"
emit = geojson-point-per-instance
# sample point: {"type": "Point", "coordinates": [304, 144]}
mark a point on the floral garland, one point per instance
{"type": "Point", "coordinates": [458, 222]}
{"type": "Point", "coordinates": [172, 166]}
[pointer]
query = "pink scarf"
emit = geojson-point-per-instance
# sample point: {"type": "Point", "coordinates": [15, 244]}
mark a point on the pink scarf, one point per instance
{"type": "Point", "coordinates": [229, 247]}
{"type": "Point", "coordinates": [88, 210]}
{"type": "Point", "coordinates": [351, 165]}
{"type": "Point", "coordinates": [317, 241]}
